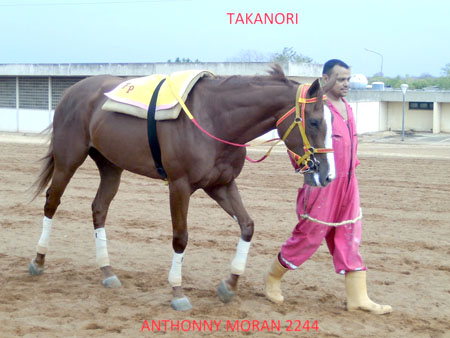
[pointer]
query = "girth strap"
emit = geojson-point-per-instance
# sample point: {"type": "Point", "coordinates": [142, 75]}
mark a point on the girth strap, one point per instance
{"type": "Point", "coordinates": [151, 132]}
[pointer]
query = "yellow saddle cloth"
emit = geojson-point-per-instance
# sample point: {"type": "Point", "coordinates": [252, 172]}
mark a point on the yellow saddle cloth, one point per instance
{"type": "Point", "coordinates": [133, 96]}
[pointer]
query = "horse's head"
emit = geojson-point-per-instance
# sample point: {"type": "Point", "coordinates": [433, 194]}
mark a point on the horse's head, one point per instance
{"type": "Point", "coordinates": [306, 131]}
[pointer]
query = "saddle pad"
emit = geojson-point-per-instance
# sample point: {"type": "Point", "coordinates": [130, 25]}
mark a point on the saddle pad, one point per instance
{"type": "Point", "coordinates": [133, 96]}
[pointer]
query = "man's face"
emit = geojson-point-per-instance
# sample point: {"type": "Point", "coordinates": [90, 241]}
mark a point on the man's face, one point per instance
{"type": "Point", "coordinates": [342, 84]}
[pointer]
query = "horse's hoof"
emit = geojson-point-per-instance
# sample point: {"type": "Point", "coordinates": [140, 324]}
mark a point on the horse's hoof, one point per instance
{"type": "Point", "coordinates": [112, 282]}
{"type": "Point", "coordinates": [225, 294]}
{"type": "Point", "coordinates": [34, 269]}
{"type": "Point", "coordinates": [181, 304]}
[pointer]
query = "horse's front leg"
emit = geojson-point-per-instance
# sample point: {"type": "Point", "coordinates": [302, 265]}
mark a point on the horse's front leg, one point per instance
{"type": "Point", "coordinates": [180, 193]}
{"type": "Point", "coordinates": [229, 199]}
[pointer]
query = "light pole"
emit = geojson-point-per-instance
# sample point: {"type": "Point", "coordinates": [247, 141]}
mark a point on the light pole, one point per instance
{"type": "Point", "coordinates": [404, 88]}
{"type": "Point", "coordinates": [372, 51]}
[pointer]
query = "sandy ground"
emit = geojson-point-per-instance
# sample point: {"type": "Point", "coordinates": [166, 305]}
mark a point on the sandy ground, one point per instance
{"type": "Point", "coordinates": [406, 246]}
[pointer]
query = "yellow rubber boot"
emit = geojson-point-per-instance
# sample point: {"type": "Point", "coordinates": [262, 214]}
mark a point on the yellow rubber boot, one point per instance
{"type": "Point", "coordinates": [272, 281]}
{"type": "Point", "coordinates": [357, 298]}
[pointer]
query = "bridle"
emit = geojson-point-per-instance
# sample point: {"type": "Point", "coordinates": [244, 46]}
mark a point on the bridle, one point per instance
{"type": "Point", "coordinates": [308, 161]}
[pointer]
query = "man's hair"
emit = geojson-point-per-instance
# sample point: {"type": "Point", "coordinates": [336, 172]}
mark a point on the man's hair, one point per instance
{"type": "Point", "coordinates": [328, 66]}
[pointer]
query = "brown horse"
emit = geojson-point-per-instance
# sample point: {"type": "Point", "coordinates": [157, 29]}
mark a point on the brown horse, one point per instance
{"type": "Point", "coordinates": [236, 108]}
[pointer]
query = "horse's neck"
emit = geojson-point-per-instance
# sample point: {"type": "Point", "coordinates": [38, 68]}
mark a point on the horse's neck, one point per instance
{"type": "Point", "coordinates": [253, 113]}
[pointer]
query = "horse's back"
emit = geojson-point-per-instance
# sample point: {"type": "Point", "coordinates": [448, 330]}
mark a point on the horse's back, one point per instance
{"type": "Point", "coordinates": [122, 139]}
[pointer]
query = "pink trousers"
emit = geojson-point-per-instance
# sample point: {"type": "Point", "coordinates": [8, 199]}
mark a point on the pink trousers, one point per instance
{"type": "Point", "coordinates": [343, 244]}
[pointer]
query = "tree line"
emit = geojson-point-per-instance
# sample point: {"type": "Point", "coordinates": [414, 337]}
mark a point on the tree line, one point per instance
{"type": "Point", "coordinates": [288, 54]}
{"type": "Point", "coordinates": [421, 82]}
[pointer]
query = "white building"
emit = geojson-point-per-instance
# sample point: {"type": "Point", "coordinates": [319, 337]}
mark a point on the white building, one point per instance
{"type": "Point", "coordinates": [29, 93]}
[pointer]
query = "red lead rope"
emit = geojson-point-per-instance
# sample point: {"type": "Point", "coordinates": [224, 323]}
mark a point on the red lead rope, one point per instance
{"type": "Point", "coordinates": [237, 144]}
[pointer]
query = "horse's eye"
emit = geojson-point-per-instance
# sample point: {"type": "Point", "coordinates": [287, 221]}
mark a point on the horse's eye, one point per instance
{"type": "Point", "coordinates": [314, 123]}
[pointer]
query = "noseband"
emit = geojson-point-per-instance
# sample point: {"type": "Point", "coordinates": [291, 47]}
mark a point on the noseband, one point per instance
{"type": "Point", "coordinates": [308, 161]}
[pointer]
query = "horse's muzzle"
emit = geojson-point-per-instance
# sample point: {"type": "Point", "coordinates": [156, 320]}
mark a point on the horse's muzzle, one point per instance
{"type": "Point", "coordinates": [319, 176]}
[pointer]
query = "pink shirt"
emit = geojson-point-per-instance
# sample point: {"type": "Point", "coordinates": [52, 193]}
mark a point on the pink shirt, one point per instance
{"type": "Point", "coordinates": [339, 201]}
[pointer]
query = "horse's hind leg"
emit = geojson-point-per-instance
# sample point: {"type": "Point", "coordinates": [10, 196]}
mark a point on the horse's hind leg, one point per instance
{"type": "Point", "coordinates": [229, 199]}
{"type": "Point", "coordinates": [109, 184]}
{"type": "Point", "coordinates": [63, 172]}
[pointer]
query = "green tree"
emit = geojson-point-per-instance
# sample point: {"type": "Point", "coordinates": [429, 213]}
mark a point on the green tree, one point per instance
{"type": "Point", "coordinates": [286, 55]}
{"type": "Point", "coordinates": [446, 70]}
{"type": "Point", "coordinates": [289, 54]}
{"type": "Point", "coordinates": [421, 82]}
{"type": "Point", "coordinates": [183, 60]}
{"type": "Point", "coordinates": [249, 55]}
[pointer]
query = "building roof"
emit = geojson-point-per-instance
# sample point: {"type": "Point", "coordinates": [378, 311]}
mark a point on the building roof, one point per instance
{"type": "Point", "coordinates": [143, 69]}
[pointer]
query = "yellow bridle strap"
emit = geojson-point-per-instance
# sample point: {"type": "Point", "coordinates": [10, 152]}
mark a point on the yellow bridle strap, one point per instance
{"type": "Point", "coordinates": [301, 159]}
{"type": "Point", "coordinates": [282, 118]}
{"type": "Point", "coordinates": [180, 100]}
{"type": "Point", "coordinates": [311, 100]}
{"type": "Point", "coordinates": [299, 120]}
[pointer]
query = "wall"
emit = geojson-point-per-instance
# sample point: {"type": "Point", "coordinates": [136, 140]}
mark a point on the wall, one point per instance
{"type": "Point", "coordinates": [57, 76]}
{"type": "Point", "coordinates": [370, 117]}
{"type": "Point", "coordinates": [445, 117]}
{"type": "Point", "coordinates": [32, 121]}
{"type": "Point", "coordinates": [374, 110]}
{"type": "Point", "coordinates": [8, 119]}
{"type": "Point", "coordinates": [25, 120]}
{"type": "Point", "coordinates": [367, 116]}
{"type": "Point", "coordinates": [416, 120]}
{"type": "Point", "coordinates": [305, 70]}
{"type": "Point", "coordinates": [391, 107]}
{"type": "Point", "coordinates": [384, 113]}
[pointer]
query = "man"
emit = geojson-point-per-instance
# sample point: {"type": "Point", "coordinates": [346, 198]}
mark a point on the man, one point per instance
{"type": "Point", "coordinates": [332, 212]}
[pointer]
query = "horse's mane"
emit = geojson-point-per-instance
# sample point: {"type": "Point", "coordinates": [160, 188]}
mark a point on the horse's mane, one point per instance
{"type": "Point", "coordinates": [276, 76]}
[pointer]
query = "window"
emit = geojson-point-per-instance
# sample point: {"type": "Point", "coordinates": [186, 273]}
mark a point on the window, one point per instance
{"type": "Point", "coordinates": [421, 105]}
{"type": "Point", "coordinates": [7, 92]}
{"type": "Point", "coordinates": [59, 85]}
{"type": "Point", "coordinates": [33, 92]}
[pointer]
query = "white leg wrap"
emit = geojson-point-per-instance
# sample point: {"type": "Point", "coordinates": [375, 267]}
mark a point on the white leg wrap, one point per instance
{"type": "Point", "coordinates": [45, 236]}
{"type": "Point", "coordinates": [175, 270]}
{"type": "Point", "coordinates": [102, 258]}
{"type": "Point", "coordinates": [240, 259]}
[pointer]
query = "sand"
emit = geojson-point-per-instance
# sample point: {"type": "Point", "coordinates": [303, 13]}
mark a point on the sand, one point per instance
{"type": "Point", "coordinates": [406, 245]}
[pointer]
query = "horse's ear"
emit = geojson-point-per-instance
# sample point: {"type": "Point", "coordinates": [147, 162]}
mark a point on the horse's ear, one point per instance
{"type": "Point", "coordinates": [314, 89]}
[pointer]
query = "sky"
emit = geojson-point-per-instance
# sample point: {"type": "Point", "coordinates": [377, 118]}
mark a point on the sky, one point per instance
{"type": "Point", "coordinates": [413, 37]}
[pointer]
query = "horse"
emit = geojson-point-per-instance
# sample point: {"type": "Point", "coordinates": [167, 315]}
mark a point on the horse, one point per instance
{"type": "Point", "coordinates": [234, 109]}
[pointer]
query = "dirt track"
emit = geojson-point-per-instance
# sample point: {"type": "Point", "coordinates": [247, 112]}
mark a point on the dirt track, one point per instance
{"type": "Point", "coordinates": [406, 246]}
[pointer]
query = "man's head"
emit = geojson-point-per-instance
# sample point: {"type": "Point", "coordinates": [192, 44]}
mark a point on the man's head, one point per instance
{"type": "Point", "coordinates": [340, 71]}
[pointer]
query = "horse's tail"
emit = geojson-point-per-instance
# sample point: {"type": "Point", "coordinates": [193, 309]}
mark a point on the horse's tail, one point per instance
{"type": "Point", "coordinates": [47, 169]}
